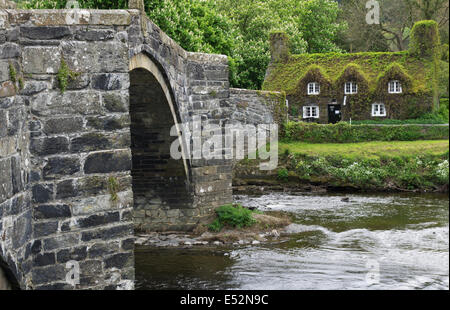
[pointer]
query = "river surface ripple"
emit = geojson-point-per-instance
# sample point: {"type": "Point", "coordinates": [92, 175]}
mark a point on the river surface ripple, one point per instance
{"type": "Point", "coordinates": [392, 241]}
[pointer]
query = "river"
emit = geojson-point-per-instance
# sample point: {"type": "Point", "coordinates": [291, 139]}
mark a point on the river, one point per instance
{"type": "Point", "coordinates": [357, 241]}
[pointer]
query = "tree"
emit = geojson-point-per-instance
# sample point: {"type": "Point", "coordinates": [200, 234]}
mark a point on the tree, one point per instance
{"type": "Point", "coordinates": [319, 25]}
{"type": "Point", "coordinates": [396, 20]}
{"type": "Point", "coordinates": [312, 26]}
{"type": "Point", "coordinates": [254, 20]}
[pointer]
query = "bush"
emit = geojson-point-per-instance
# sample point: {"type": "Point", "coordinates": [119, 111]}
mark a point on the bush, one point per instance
{"type": "Point", "coordinates": [415, 172]}
{"type": "Point", "coordinates": [346, 133]}
{"type": "Point", "coordinates": [283, 174]}
{"type": "Point", "coordinates": [233, 216]}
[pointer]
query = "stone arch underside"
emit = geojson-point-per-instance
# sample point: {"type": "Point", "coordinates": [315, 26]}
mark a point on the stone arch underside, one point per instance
{"type": "Point", "coordinates": [161, 186]}
{"type": "Point", "coordinates": [7, 278]}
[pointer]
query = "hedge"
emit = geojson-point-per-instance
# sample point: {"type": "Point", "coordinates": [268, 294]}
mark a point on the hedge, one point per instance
{"type": "Point", "coordinates": [346, 133]}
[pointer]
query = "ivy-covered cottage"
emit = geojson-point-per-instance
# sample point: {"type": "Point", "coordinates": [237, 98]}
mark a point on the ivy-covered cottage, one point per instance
{"type": "Point", "coordinates": [331, 87]}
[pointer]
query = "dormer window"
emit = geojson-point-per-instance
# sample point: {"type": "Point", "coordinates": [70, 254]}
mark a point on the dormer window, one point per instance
{"type": "Point", "coordinates": [313, 88]}
{"type": "Point", "coordinates": [395, 87]}
{"type": "Point", "coordinates": [350, 88]}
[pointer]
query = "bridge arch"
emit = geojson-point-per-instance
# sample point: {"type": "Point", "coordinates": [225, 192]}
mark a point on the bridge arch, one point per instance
{"type": "Point", "coordinates": [7, 279]}
{"type": "Point", "coordinates": [160, 183]}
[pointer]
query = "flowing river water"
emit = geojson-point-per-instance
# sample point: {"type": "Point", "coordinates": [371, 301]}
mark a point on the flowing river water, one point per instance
{"type": "Point", "coordinates": [357, 241]}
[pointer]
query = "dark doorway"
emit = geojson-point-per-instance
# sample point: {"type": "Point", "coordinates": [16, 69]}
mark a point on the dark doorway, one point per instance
{"type": "Point", "coordinates": [334, 113]}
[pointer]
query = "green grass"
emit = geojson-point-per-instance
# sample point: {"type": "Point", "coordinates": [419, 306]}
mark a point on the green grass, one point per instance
{"type": "Point", "coordinates": [375, 149]}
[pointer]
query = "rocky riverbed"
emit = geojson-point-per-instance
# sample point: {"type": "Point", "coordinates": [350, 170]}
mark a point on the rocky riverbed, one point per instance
{"type": "Point", "coordinates": [224, 238]}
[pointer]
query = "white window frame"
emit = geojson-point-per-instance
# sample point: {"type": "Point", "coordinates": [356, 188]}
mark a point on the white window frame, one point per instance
{"type": "Point", "coordinates": [395, 87]}
{"type": "Point", "coordinates": [376, 111]}
{"type": "Point", "coordinates": [353, 86]}
{"type": "Point", "coordinates": [313, 88]}
{"type": "Point", "coordinates": [311, 111]}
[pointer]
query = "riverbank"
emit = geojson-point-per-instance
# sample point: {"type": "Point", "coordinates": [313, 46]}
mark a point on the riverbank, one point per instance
{"type": "Point", "coordinates": [409, 166]}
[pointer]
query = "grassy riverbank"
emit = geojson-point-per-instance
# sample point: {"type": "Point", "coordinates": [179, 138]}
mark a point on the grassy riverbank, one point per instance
{"type": "Point", "coordinates": [378, 166]}
{"type": "Point", "coordinates": [367, 150]}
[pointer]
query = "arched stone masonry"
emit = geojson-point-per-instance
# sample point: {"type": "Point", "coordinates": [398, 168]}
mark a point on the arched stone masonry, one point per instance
{"type": "Point", "coordinates": [161, 184]}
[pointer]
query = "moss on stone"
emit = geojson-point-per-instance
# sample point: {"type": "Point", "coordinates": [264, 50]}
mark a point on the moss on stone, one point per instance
{"type": "Point", "coordinates": [12, 73]}
{"type": "Point", "coordinates": [113, 187]}
{"type": "Point", "coordinates": [21, 83]}
{"type": "Point", "coordinates": [65, 75]}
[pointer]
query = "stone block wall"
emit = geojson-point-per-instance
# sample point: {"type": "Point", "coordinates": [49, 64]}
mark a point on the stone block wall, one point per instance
{"type": "Point", "coordinates": [257, 107]}
{"type": "Point", "coordinates": [15, 194]}
{"type": "Point", "coordinates": [65, 153]}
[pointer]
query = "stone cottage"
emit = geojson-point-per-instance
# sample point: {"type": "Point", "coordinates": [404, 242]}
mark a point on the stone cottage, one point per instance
{"type": "Point", "coordinates": [333, 87]}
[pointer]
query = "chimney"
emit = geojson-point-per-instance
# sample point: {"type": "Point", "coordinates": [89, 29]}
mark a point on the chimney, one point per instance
{"type": "Point", "coordinates": [279, 47]}
{"type": "Point", "coordinates": [135, 5]}
{"type": "Point", "coordinates": [425, 41]}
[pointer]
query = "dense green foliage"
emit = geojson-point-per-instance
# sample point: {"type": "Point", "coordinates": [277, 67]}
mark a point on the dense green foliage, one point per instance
{"type": "Point", "coordinates": [232, 216]}
{"type": "Point", "coordinates": [396, 165]}
{"type": "Point", "coordinates": [346, 133]}
{"type": "Point", "coordinates": [283, 174]}
{"type": "Point", "coordinates": [387, 172]}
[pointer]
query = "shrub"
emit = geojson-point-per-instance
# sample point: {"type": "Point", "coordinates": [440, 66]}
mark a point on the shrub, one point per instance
{"type": "Point", "coordinates": [283, 174]}
{"type": "Point", "coordinates": [346, 133]}
{"type": "Point", "coordinates": [442, 171]}
{"type": "Point", "coordinates": [233, 216]}
{"type": "Point", "coordinates": [430, 171]}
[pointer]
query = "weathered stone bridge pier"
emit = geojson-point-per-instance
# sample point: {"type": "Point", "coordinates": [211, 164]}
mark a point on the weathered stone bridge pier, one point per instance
{"type": "Point", "coordinates": [87, 100]}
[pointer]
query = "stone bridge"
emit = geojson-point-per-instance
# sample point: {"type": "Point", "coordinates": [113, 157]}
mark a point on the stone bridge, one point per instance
{"type": "Point", "coordinates": [87, 101]}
